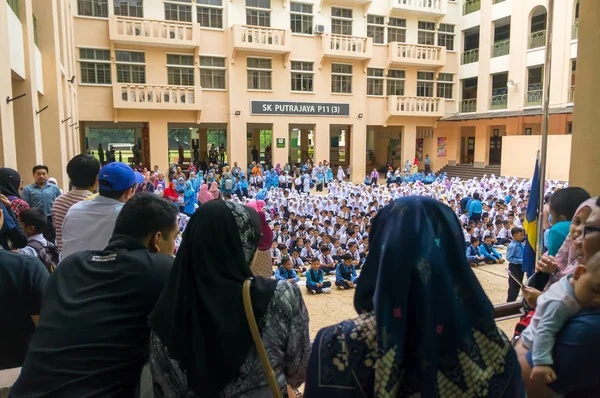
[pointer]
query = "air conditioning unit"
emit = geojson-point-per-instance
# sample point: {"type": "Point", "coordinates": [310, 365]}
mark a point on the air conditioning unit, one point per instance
{"type": "Point", "coordinates": [319, 29]}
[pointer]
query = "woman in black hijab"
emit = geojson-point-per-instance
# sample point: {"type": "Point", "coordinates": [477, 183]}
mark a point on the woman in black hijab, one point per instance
{"type": "Point", "coordinates": [201, 344]}
{"type": "Point", "coordinates": [12, 235]}
{"type": "Point", "coordinates": [10, 184]}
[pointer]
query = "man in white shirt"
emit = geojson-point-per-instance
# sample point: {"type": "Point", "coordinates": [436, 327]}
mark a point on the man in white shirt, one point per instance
{"type": "Point", "coordinates": [89, 224]}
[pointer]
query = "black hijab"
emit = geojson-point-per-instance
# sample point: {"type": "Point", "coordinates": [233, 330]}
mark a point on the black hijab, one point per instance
{"type": "Point", "coordinates": [10, 181]}
{"type": "Point", "coordinates": [200, 315]}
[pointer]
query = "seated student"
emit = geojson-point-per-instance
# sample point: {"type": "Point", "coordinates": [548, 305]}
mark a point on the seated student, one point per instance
{"type": "Point", "coordinates": [283, 252]}
{"type": "Point", "coordinates": [345, 274]}
{"type": "Point", "coordinates": [314, 279]}
{"type": "Point", "coordinates": [353, 251]}
{"type": "Point", "coordinates": [297, 263]}
{"type": "Point", "coordinates": [308, 253]}
{"type": "Point", "coordinates": [275, 253]}
{"type": "Point", "coordinates": [505, 235]}
{"type": "Point", "coordinates": [489, 231]}
{"type": "Point", "coordinates": [285, 271]}
{"type": "Point", "coordinates": [284, 236]}
{"type": "Point", "coordinates": [92, 336]}
{"type": "Point", "coordinates": [563, 205]}
{"type": "Point", "coordinates": [555, 307]}
{"type": "Point", "coordinates": [337, 251]}
{"type": "Point", "coordinates": [490, 254]}
{"type": "Point", "coordinates": [327, 263]}
{"type": "Point", "coordinates": [474, 256]}
{"type": "Point", "coordinates": [514, 256]}
{"type": "Point", "coordinates": [464, 218]}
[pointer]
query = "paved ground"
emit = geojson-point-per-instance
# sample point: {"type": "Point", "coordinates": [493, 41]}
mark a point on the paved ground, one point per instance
{"type": "Point", "coordinates": [329, 309]}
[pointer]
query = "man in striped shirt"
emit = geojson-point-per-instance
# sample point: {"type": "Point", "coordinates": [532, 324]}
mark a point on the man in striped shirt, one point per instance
{"type": "Point", "coordinates": [83, 173]}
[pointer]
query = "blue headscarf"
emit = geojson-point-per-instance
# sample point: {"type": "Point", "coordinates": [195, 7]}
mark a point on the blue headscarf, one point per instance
{"type": "Point", "coordinates": [261, 195]}
{"type": "Point", "coordinates": [422, 305]}
{"type": "Point", "coordinates": [189, 198]}
{"type": "Point", "coordinates": [180, 185]}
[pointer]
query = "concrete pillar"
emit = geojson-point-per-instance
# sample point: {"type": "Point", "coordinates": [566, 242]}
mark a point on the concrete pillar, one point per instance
{"type": "Point", "coordinates": [585, 147]}
{"type": "Point", "coordinates": [236, 149]}
{"type": "Point", "coordinates": [482, 145]}
{"type": "Point", "coordinates": [54, 137]}
{"type": "Point", "coordinates": [203, 143]}
{"type": "Point", "coordinates": [295, 135]}
{"type": "Point", "coordinates": [8, 152]}
{"type": "Point", "coordinates": [321, 141]}
{"type": "Point", "coordinates": [358, 151]}
{"type": "Point", "coordinates": [27, 124]}
{"type": "Point", "coordinates": [159, 144]}
{"type": "Point", "coordinates": [280, 131]}
{"type": "Point", "coordinates": [409, 143]}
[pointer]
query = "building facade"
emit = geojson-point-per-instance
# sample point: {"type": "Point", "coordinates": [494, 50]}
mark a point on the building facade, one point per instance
{"type": "Point", "coordinates": [38, 110]}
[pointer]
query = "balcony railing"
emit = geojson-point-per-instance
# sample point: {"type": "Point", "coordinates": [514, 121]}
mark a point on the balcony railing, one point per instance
{"type": "Point", "coordinates": [468, 105]}
{"type": "Point", "coordinates": [423, 6]}
{"type": "Point", "coordinates": [468, 57]}
{"type": "Point", "coordinates": [500, 48]}
{"type": "Point", "coordinates": [499, 101]}
{"type": "Point", "coordinates": [533, 97]}
{"type": "Point", "coordinates": [261, 39]}
{"type": "Point", "coordinates": [349, 47]}
{"type": "Point", "coordinates": [416, 54]}
{"type": "Point", "coordinates": [471, 6]}
{"type": "Point", "coordinates": [575, 31]}
{"type": "Point", "coordinates": [415, 106]}
{"type": "Point", "coordinates": [158, 97]}
{"type": "Point", "coordinates": [537, 39]}
{"type": "Point", "coordinates": [572, 94]}
{"type": "Point", "coordinates": [173, 34]}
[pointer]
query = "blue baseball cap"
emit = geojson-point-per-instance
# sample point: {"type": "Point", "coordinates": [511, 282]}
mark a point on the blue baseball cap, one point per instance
{"type": "Point", "coordinates": [118, 176]}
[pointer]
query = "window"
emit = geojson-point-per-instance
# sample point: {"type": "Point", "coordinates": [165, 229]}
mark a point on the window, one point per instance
{"type": "Point", "coordinates": [259, 73]}
{"type": "Point", "coordinates": [178, 12]}
{"type": "Point", "coordinates": [210, 13]}
{"type": "Point", "coordinates": [395, 82]}
{"type": "Point", "coordinates": [341, 21]}
{"type": "Point", "coordinates": [397, 30]}
{"type": "Point", "coordinates": [129, 8]}
{"type": "Point", "coordinates": [35, 31]}
{"type": "Point", "coordinates": [131, 67]}
{"type": "Point", "coordinates": [424, 84]}
{"type": "Point", "coordinates": [444, 85]}
{"type": "Point", "coordinates": [14, 5]}
{"type": "Point", "coordinates": [95, 66]}
{"type": "Point", "coordinates": [301, 18]}
{"type": "Point", "coordinates": [446, 36]}
{"type": "Point", "coordinates": [258, 12]}
{"type": "Point", "coordinates": [93, 8]}
{"type": "Point", "coordinates": [302, 76]}
{"type": "Point", "coordinates": [341, 78]}
{"type": "Point", "coordinates": [180, 69]}
{"type": "Point", "coordinates": [375, 28]}
{"type": "Point", "coordinates": [426, 33]}
{"type": "Point", "coordinates": [374, 81]}
{"type": "Point", "coordinates": [212, 72]}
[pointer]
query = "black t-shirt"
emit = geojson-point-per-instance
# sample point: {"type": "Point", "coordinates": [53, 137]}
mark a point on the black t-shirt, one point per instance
{"type": "Point", "coordinates": [22, 283]}
{"type": "Point", "coordinates": [92, 336]}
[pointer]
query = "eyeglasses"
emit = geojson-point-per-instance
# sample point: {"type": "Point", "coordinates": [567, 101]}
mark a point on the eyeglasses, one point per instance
{"type": "Point", "coordinates": [588, 230]}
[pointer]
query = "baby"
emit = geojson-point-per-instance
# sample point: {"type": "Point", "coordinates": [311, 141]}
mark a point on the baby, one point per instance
{"type": "Point", "coordinates": [555, 307]}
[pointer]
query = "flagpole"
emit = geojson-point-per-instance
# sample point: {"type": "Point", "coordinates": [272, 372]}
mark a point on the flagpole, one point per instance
{"type": "Point", "coordinates": [545, 123]}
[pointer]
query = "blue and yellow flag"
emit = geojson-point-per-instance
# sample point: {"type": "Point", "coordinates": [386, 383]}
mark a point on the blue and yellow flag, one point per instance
{"type": "Point", "coordinates": [531, 222]}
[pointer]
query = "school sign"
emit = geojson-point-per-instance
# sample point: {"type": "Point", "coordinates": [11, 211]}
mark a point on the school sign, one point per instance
{"type": "Point", "coordinates": [284, 108]}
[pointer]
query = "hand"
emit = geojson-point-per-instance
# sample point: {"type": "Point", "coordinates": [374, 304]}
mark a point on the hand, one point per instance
{"type": "Point", "coordinates": [350, 284]}
{"type": "Point", "coordinates": [291, 280]}
{"type": "Point", "coordinates": [544, 374]}
{"type": "Point", "coordinates": [319, 284]}
{"type": "Point", "coordinates": [530, 295]}
{"type": "Point", "coordinates": [498, 261]}
{"type": "Point", "coordinates": [4, 201]}
{"type": "Point", "coordinates": [546, 264]}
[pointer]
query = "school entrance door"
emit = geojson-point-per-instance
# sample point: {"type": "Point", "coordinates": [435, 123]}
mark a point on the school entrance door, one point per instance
{"type": "Point", "coordinates": [467, 150]}
{"type": "Point", "coordinates": [495, 150]}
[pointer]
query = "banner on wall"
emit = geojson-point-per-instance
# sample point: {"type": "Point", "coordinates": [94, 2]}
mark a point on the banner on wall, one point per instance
{"type": "Point", "coordinates": [441, 147]}
{"type": "Point", "coordinates": [396, 148]}
{"type": "Point", "coordinates": [419, 149]}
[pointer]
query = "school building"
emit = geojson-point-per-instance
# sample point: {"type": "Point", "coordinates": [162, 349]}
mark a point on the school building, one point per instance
{"type": "Point", "coordinates": [354, 82]}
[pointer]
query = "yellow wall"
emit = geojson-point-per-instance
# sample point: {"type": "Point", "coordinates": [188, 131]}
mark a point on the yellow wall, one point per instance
{"type": "Point", "coordinates": [519, 153]}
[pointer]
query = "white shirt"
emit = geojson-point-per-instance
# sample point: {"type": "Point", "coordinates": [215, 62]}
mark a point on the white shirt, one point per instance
{"type": "Point", "coordinates": [89, 225]}
{"type": "Point", "coordinates": [30, 251]}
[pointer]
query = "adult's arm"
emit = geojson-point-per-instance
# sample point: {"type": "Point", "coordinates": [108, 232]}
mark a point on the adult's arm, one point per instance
{"type": "Point", "coordinates": [14, 230]}
{"type": "Point", "coordinates": [26, 195]}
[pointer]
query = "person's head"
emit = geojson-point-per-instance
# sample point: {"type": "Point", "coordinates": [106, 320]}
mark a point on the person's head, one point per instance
{"type": "Point", "coordinates": [587, 282]}
{"type": "Point", "coordinates": [352, 247]}
{"type": "Point", "coordinates": [151, 220]}
{"type": "Point", "coordinates": [489, 226]}
{"type": "Point", "coordinates": [83, 172]}
{"type": "Point", "coordinates": [33, 221]}
{"type": "Point", "coordinates": [475, 241]}
{"type": "Point", "coordinates": [476, 196]}
{"type": "Point", "coordinates": [282, 248]}
{"type": "Point", "coordinates": [40, 174]}
{"type": "Point", "coordinates": [563, 203]}
{"type": "Point", "coordinates": [315, 264]}
{"type": "Point", "coordinates": [178, 169]}
{"type": "Point", "coordinates": [588, 242]}
{"type": "Point", "coordinates": [118, 181]}
{"type": "Point", "coordinates": [325, 250]}
{"type": "Point", "coordinates": [286, 262]}
{"type": "Point", "coordinates": [487, 239]}
{"type": "Point", "coordinates": [518, 234]}
{"type": "Point", "coordinates": [274, 245]}
{"type": "Point", "coordinates": [347, 259]}
{"type": "Point", "coordinates": [10, 182]}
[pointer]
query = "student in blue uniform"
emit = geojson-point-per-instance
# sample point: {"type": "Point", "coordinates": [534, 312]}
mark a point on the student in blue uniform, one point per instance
{"type": "Point", "coordinates": [489, 253]}
{"type": "Point", "coordinates": [190, 199]}
{"type": "Point", "coordinates": [474, 256]}
{"type": "Point", "coordinates": [314, 279]}
{"type": "Point", "coordinates": [285, 271]}
{"type": "Point", "coordinates": [345, 274]}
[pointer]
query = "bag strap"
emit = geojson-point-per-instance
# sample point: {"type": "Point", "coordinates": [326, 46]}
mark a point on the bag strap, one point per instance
{"type": "Point", "coordinates": [258, 343]}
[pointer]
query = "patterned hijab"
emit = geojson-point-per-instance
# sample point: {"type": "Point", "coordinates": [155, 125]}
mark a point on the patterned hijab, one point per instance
{"type": "Point", "coordinates": [200, 315]}
{"type": "Point", "coordinates": [426, 326]}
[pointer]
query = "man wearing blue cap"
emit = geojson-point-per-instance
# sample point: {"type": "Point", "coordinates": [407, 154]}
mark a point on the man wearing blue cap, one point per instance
{"type": "Point", "coordinates": [89, 224]}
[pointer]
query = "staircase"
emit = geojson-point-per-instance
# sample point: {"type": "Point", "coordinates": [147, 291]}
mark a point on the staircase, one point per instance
{"type": "Point", "coordinates": [467, 171]}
